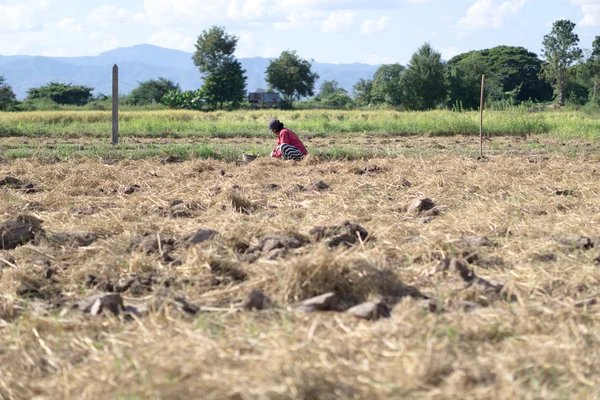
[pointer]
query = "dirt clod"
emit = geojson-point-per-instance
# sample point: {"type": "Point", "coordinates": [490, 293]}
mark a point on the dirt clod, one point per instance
{"type": "Point", "coordinates": [370, 170]}
{"type": "Point", "coordinates": [324, 302]}
{"type": "Point", "coordinates": [19, 231]}
{"type": "Point", "coordinates": [152, 244]}
{"type": "Point", "coordinates": [420, 206]}
{"type": "Point", "coordinates": [186, 306]}
{"type": "Point", "coordinates": [256, 300]}
{"type": "Point", "coordinates": [49, 273]}
{"type": "Point", "coordinates": [175, 203]}
{"type": "Point", "coordinates": [546, 258]}
{"type": "Point", "coordinates": [131, 189]}
{"type": "Point", "coordinates": [372, 310]}
{"type": "Point", "coordinates": [225, 272]}
{"type": "Point", "coordinates": [319, 185]}
{"type": "Point", "coordinates": [30, 188]}
{"type": "Point", "coordinates": [477, 241]}
{"type": "Point", "coordinates": [72, 239]}
{"type": "Point", "coordinates": [201, 235]}
{"type": "Point", "coordinates": [172, 159]}
{"type": "Point", "coordinates": [584, 243]}
{"type": "Point", "coordinates": [563, 192]}
{"type": "Point", "coordinates": [461, 270]}
{"type": "Point", "coordinates": [347, 234]}
{"type": "Point", "coordinates": [97, 304]}
{"type": "Point", "coordinates": [10, 182]}
{"type": "Point", "coordinates": [273, 246]}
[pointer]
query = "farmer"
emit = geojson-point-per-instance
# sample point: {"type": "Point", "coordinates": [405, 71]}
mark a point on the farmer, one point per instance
{"type": "Point", "coordinates": [289, 146]}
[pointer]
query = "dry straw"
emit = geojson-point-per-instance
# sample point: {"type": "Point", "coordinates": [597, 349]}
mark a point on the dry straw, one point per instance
{"type": "Point", "coordinates": [542, 345]}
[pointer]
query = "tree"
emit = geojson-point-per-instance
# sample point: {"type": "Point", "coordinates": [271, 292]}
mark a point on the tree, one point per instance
{"type": "Point", "coordinates": [388, 85]}
{"type": "Point", "coordinates": [560, 51]}
{"type": "Point", "coordinates": [329, 88]}
{"type": "Point", "coordinates": [464, 82]}
{"type": "Point", "coordinates": [594, 66]}
{"type": "Point", "coordinates": [362, 92]}
{"type": "Point", "coordinates": [7, 96]}
{"type": "Point", "coordinates": [292, 77]}
{"type": "Point", "coordinates": [424, 79]}
{"type": "Point", "coordinates": [152, 90]}
{"type": "Point", "coordinates": [224, 77]}
{"type": "Point", "coordinates": [516, 69]}
{"type": "Point", "coordinates": [226, 84]}
{"type": "Point", "coordinates": [337, 99]}
{"type": "Point", "coordinates": [61, 93]}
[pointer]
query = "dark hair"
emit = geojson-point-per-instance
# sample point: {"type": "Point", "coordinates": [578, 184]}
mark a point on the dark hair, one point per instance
{"type": "Point", "coordinates": [276, 124]}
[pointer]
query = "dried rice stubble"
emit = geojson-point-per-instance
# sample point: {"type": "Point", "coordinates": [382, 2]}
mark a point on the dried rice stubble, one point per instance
{"type": "Point", "coordinates": [351, 275]}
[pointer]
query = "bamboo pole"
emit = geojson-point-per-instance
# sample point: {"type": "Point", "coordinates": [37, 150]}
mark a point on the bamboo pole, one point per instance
{"type": "Point", "coordinates": [115, 105]}
{"type": "Point", "coordinates": [481, 116]}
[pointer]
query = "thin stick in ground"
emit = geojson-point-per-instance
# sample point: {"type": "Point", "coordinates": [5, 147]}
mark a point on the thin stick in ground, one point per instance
{"type": "Point", "coordinates": [481, 116]}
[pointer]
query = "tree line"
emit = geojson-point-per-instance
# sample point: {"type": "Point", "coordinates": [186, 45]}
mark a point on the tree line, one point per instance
{"type": "Point", "coordinates": [514, 75]}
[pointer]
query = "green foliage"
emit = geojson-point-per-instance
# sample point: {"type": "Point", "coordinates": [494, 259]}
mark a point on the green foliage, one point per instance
{"type": "Point", "coordinates": [560, 51]}
{"type": "Point", "coordinates": [328, 88]}
{"type": "Point", "coordinates": [362, 92]}
{"type": "Point", "coordinates": [7, 96]}
{"type": "Point", "coordinates": [332, 96]}
{"type": "Point", "coordinates": [38, 105]}
{"type": "Point", "coordinates": [213, 48]}
{"type": "Point", "coordinates": [580, 85]}
{"type": "Point", "coordinates": [516, 70]}
{"type": "Point", "coordinates": [593, 64]}
{"type": "Point", "coordinates": [339, 99]}
{"type": "Point", "coordinates": [424, 80]}
{"type": "Point", "coordinates": [227, 84]}
{"type": "Point", "coordinates": [224, 78]}
{"type": "Point", "coordinates": [464, 82]}
{"type": "Point", "coordinates": [153, 89]}
{"type": "Point", "coordinates": [62, 93]}
{"type": "Point", "coordinates": [291, 76]}
{"type": "Point", "coordinates": [388, 86]}
{"type": "Point", "coordinates": [190, 100]}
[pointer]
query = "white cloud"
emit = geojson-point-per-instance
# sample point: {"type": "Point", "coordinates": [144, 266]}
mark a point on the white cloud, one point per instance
{"type": "Point", "coordinates": [485, 14]}
{"type": "Point", "coordinates": [591, 12]}
{"type": "Point", "coordinates": [173, 39]}
{"type": "Point", "coordinates": [248, 46]}
{"type": "Point", "coordinates": [299, 20]}
{"type": "Point", "coordinates": [449, 52]}
{"type": "Point", "coordinates": [20, 16]}
{"type": "Point", "coordinates": [374, 59]}
{"type": "Point", "coordinates": [247, 10]}
{"type": "Point", "coordinates": [338, 21]}
{"type": "Point", "coordinates": [69, 25]}
{"type": "Point", "coordinates": [372, 26]}
{"type": "Point", "coordinates": [179, 12]}
{"type": "Point", "coordinates": [552, 21]}
{"type": "Point", "coordinates": [111, 15]}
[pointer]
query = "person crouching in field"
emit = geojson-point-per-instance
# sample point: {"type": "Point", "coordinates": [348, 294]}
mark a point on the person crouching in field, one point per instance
{"type": "Point", "coordinates": [289, 146]}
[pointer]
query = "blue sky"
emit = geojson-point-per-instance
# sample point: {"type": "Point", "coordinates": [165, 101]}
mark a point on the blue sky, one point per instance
{"type": "Point", "coordinates": [338, 31]}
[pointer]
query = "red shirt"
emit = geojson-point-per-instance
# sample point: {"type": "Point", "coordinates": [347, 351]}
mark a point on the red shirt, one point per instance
{"type": "Point", "coordinates": [288, 137]}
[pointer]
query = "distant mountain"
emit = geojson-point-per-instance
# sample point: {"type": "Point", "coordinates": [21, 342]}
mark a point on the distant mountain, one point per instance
{"type": "Point", "coordinates": [142, 62]}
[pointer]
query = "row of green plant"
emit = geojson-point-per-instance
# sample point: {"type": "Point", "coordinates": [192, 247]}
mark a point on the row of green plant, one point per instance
{"type": "Point", "coordinates": [221, 124]}
{"type": "Point", "coordinates": [232, 152]}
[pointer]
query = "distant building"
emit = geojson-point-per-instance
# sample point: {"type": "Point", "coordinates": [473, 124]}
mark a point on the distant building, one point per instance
{"type": "Point", "coordinates": [264, 100]}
